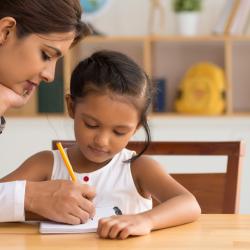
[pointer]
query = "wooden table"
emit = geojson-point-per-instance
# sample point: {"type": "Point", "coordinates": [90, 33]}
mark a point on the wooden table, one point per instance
{"type": "Point", "coordinates": [209, 232]}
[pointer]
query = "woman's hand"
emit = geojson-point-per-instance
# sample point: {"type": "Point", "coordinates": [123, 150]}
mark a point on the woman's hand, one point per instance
{"type": "Point", "coordinates": [10, 99]}
{"type": "Point", "coordinates": [60, 200]}
{"type": "Point", "coordinates": [122, 226]}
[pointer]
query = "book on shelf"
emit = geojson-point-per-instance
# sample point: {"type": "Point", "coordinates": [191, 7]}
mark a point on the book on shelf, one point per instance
{"type": "Point", "coordinates": [51, 96]}
{"type": "Point", "coordinates": [159, 103]}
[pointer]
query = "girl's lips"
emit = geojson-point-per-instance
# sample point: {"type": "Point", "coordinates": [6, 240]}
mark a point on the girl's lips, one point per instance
{"type": "Point", "coordinates": [97, 151]}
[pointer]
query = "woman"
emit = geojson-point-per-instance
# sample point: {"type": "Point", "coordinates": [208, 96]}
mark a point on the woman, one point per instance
{"type": "Point", "coordinates": [33, 35]}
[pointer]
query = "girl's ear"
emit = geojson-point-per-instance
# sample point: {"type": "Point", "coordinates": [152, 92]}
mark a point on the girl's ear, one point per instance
{"type": "Point", "coordinates": [7, 25]}
{"type": "Point", "coordinates": [70, 106]}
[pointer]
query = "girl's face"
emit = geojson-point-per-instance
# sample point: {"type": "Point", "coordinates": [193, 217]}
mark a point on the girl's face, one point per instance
{"type": "Point", "coordinates": [103, 125]}
{"type": "Point", "coordinates": [25, 62]}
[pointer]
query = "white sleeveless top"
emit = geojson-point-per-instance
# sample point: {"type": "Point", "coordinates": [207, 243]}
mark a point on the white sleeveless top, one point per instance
{"type": "Point", "coordinates": [113, 183]}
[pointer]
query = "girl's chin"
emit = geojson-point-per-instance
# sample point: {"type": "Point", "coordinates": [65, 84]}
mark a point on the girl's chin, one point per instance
{"type": "Point", "coordinates": [97, 160]}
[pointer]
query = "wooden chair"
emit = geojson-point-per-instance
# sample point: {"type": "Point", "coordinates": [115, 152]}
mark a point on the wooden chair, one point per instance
{"type": "Point", "coordinates": [215, 192]}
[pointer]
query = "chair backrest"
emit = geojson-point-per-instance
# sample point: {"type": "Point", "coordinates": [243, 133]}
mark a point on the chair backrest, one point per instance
{"type": "Point", "coordinates": [215, 192]}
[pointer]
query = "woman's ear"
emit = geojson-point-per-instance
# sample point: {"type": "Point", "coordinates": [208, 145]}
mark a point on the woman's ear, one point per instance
{"type": "Point", "coordinates": [70, 105]}
{"type": "Point", "coordinates": [7, 25]}
{"type": "Point", "coordinates": [138, 127]}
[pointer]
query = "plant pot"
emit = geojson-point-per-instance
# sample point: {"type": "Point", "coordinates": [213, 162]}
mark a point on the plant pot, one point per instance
{"type": "Point", "coordinates": [187, 23]}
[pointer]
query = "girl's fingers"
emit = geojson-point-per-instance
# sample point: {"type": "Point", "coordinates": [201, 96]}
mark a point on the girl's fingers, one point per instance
{"type": "Point", "coordinates": [104, 227]}
{"type": "Point", "coordinates": [116, 229]}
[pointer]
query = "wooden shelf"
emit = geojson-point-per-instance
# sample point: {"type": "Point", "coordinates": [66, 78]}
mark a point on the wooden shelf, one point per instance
{"type": "Point", "coordinates": [153, 38]}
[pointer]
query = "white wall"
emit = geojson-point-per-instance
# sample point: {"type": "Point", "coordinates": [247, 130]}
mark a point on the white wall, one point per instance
{"type": "Point", "coordinates": [24, 137]}
{"type": "Point", "coordinates": [130, 17]}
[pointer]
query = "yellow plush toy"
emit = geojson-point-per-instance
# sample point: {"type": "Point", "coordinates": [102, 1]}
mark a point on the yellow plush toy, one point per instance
{"type": "Point", "coordinates": [202, 91]}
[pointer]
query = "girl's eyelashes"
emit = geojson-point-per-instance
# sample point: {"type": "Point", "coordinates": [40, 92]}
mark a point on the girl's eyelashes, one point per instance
{"type": "Point", "coordinates": [119, 133]}
{"type": "Point", "coordinates": [45, 56]}
{"type": "Point", "coordinates": [95, 126]}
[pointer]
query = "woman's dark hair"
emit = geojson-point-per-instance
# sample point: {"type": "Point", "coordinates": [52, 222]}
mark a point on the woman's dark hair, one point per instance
{"type": "Point", "coordinates": [45, 16]}
{"type": "Point", "coordinates": [114, 72]}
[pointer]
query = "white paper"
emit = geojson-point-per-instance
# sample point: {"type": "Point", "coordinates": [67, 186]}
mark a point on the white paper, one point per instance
{"type": "Point", "coordinates": [89, 227]}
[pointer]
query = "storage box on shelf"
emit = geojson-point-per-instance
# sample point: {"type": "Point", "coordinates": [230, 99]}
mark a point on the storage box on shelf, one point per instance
{"type": "Point", "coordinates": [169, 57]}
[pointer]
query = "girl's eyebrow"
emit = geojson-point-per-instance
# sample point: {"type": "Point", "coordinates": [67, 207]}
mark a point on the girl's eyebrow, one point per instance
{"type": "Point", "coordinates": [58, 52]}
{"type": "Point", "coordinates": [89, 116]}
{"type": "Point", "coordinates": [96, 120]}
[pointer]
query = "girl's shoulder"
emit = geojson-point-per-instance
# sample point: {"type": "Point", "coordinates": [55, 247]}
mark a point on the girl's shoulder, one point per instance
{"type": "Point", "coordinates": [147, 173]}
{"type": "Point", "coordinates": [145, 168]}
{"type": "Point", "coordinates": [145, 163]}
{"type": "Point", "coordinates": [37, 167]}
{"type": "Point", "coordinates": [42, 163]}
{"type": "Point", "coordinates": [42, 157]}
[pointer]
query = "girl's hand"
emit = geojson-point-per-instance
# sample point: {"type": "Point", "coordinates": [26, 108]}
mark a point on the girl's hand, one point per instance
{"type": "Point", "coordinates": [10, 99]}
{"type": "Point", "coordinates": [122, 226]}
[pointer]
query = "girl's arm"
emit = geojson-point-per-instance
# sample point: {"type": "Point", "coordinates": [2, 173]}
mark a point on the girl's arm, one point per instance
{"type": "Point", "coordinates": [38, 167]}
{"type": "Point", "coordinates": [177, 205]}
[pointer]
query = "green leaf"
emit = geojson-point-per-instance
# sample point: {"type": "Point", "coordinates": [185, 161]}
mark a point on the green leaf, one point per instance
{"type": "Point", "coordinates": [186, 5]}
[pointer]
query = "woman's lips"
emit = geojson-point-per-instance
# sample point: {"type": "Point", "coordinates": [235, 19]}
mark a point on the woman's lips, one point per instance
{"type": "Point", "coordinates": [29, 87]}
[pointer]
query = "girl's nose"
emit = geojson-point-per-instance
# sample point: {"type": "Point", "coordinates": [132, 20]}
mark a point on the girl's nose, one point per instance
{"type": "Point", "coordinates": [101, 140]}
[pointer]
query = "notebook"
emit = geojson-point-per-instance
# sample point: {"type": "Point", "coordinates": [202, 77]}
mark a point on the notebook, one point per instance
{"type": "Point", "coordinates": [89, 227]}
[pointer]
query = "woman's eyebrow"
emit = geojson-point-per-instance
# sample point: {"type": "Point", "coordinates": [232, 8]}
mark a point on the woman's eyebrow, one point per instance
{"type": "Point", "coordinates": [58, 52]}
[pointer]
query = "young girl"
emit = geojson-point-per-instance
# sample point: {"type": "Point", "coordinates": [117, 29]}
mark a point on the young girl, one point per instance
{"type": "Point", "coordinates": [109, 99]}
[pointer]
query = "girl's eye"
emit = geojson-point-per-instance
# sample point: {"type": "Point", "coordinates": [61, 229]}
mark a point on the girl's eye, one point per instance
{"type": "Point", "coordinates": [45, 56]}
{"type": "Point", "coordinates": [119, 133]}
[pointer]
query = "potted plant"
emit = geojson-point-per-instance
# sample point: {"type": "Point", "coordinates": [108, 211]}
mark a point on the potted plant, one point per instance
{"type": "Point", "coordinates": [187, 15]}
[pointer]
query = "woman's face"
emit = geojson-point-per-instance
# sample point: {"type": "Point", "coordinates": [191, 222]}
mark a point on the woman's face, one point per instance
{"type": "Point", "coordinates": [25, 62]}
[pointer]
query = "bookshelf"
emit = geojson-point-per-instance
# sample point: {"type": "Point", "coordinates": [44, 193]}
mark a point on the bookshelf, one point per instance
{"type": "Point", "coordinates": [169, 57]}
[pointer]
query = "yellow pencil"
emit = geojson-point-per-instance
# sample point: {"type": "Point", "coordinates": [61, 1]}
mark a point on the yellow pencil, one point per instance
{"type": "Point", "coordinates": [66, 161]}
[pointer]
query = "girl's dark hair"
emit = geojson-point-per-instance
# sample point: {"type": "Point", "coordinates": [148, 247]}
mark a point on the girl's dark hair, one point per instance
{"type": "Point", "coordinates": [45, 16]}
{"type": "Point", "coordinates": [114, 72]}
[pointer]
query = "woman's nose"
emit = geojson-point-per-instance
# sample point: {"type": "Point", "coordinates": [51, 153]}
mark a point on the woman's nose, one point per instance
{"type": "Point", "coordinates": [48, 73]}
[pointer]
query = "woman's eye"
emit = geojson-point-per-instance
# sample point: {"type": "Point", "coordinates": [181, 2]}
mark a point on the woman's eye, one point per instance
{"type": "Point", "coordinates": [45, 56]}
{"type": "Point", "coordinates": [90, 125]}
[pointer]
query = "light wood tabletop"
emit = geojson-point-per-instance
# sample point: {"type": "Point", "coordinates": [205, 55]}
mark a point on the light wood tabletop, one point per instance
{"type": "Point", "coordinates": [209, 232]}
